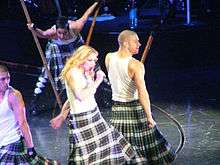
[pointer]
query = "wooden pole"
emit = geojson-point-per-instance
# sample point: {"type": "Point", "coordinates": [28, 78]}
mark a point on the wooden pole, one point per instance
{"type": "Point", "coordinates": [147, 48]}
{"type": "Point", "coordinates": [41, 54]}
{"type": "Point", "coordinates": [92, 26]}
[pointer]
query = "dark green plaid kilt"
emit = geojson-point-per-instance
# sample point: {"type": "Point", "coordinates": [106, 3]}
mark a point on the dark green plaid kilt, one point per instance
{"type": "Point", "coordinates": [130, 119]}
{"type": "Point", "coordinates": [15, 154]}
{"type": "Point", "coordinates": [94, 141]}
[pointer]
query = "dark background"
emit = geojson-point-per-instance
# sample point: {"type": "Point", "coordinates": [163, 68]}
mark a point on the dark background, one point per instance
{"type": "Point", "coordinates": [182, 71]}
{"type": "Point", "coordinates": [183, 59]}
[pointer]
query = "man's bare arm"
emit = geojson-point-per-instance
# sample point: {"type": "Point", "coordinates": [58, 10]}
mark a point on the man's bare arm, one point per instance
{"type": "Point", "coordinates": [17, 104]}
{"type": "Point", "coordinates": [138, 76]}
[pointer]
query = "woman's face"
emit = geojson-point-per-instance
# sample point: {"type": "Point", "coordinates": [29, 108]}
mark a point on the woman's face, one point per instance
{"type": "Point", "coordinates": [62, 34]}
{"type": "Point", "coordinates": [90, 63]}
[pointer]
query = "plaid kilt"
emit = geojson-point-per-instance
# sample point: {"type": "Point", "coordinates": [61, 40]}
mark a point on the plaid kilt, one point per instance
{"type": "Point", "coordinates": [130, 119]}
{"type": "Point", "coordinates": [95, 142]}
{"type": "Point", "coordinates": [56, 56]}
{"type": "Point", "coordinates": [15, 154]}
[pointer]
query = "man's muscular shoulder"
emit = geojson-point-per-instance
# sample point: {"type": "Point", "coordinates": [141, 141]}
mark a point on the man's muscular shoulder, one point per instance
{"type": "Point", "coordinates": [14, 94]}
{"type": "Point", "coordinates": [135, 65]}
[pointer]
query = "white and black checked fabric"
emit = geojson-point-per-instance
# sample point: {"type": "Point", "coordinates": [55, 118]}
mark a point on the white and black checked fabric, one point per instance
{"type": "Point", "coordinates": [56, 56]}
{"type": "Point", "coordinates": [95, 142]}
{"type": "Point", "coordinates": [130, 119]}
{"type": "Point", "coordinates": [15, 154]}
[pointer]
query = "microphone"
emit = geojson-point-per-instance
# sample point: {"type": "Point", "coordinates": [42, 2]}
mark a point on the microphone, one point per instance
{"type": "Point", "coordinates": [105, 79]}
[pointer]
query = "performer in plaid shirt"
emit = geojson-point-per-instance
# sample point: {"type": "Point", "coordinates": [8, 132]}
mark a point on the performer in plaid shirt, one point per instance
{"type": "Point", "coordinates": [92, 140]}
{"type": "Point", "coordinates": [64, 39]}
{"type": "Point", "coordinates": [131, 111]}
{"type": "Point", "coordinates": [14, 127]}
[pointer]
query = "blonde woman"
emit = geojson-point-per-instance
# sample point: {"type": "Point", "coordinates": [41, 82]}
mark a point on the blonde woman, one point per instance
{"type": "Point", "coordinates": [92, 140]}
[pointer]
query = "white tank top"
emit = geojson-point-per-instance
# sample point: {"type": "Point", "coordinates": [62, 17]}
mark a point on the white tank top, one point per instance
{"type": "Point", "coordinates": [123, 87]}
{"type": "Point", "coordinates": [9, 128]}
{"type": "Point", "coordinates": [76, 105]}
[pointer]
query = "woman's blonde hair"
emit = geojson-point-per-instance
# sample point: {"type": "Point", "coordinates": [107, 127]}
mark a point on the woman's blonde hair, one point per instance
{"type": "Point", "coordinates": [77, 58]}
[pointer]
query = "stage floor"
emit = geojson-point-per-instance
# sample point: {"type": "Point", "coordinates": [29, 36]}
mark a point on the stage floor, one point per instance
{"type": "Point", "coordinates": [198, 116]}
{"type": "Point", "coordinates": [200, 123]}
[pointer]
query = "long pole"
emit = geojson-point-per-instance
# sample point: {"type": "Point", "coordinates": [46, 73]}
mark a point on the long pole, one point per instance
{"type": "Point", "coordinates": [41, 54]}
{"type": "Point", "coordinates": [92, 26]}
{"type": "Point", "coordinates": [147, 48]}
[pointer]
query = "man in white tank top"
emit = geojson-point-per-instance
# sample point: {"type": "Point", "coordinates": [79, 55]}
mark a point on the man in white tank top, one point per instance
{"type": "Point", "coordinates": [128, 46]}
{"type": "Point", "coordinates": [131, 110]}
{"type": "Point", "coordinates": [13, 125]}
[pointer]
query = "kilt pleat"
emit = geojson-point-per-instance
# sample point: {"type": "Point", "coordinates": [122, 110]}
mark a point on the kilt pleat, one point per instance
{"type": "Point", "coordinates": [94, 141]}
{"type": "Point", "coordinates": [149, 143]}
{"type": "Point", "coordinates": [15, 154]}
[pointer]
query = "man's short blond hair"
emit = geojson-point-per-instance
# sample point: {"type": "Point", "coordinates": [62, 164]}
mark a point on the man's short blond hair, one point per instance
{"type": "Point", "coordinates": [125, 36]}
{"type": "Point", "coordinates": [3, 68]}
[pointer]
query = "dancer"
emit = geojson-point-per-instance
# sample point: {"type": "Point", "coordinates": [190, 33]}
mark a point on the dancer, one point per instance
{"type": "Point", "coordinates": [64, 39]}
{"type": "Point", "coordinates": [92, 139]}
{"type": "Point", "coordinates": [131, 111]}
{"type": "Point", "coordinates": [14, 127]}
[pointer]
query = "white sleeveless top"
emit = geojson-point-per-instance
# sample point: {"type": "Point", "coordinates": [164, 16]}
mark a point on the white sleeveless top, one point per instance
{"type": "Point", "coordinates": [9, 128]}
{"type": "Point", "coordinates": [78, 106]}
{"type": "Point", "coordinates": [123, 87]}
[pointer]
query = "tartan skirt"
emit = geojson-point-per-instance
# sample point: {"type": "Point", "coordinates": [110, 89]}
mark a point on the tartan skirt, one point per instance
{"type": "Point", "coordinates": [94, 141]}
{"type": "Point", "coordinates": [57, 55]}
{"type": "Point", "coordinates": [15, 154]}
{"type": "Point", "coordinates": [130, 119]}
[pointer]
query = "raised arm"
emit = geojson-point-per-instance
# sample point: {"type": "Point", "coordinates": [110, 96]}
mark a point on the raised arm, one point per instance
{"type": "Point", "coordinates": [137, 71]}
{"type": "Point", "coordinates": [79, 24]}
{"type": "Point", "coordinates": [47, 34]}
{"type": "Point", "coordinates": [17, 104]}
